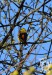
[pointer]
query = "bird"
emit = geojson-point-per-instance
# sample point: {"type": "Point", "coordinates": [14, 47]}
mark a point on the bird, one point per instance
{"type": "Point", "coordinates": [22, 36]}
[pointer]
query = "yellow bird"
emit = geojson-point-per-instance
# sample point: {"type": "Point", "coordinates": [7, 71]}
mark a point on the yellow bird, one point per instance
{"type": "Point", "coordinates": [22, 36]}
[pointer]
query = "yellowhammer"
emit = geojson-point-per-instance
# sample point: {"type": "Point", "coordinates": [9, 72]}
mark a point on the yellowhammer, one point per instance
{"type": "Point", "coordinates": [22, 36]}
